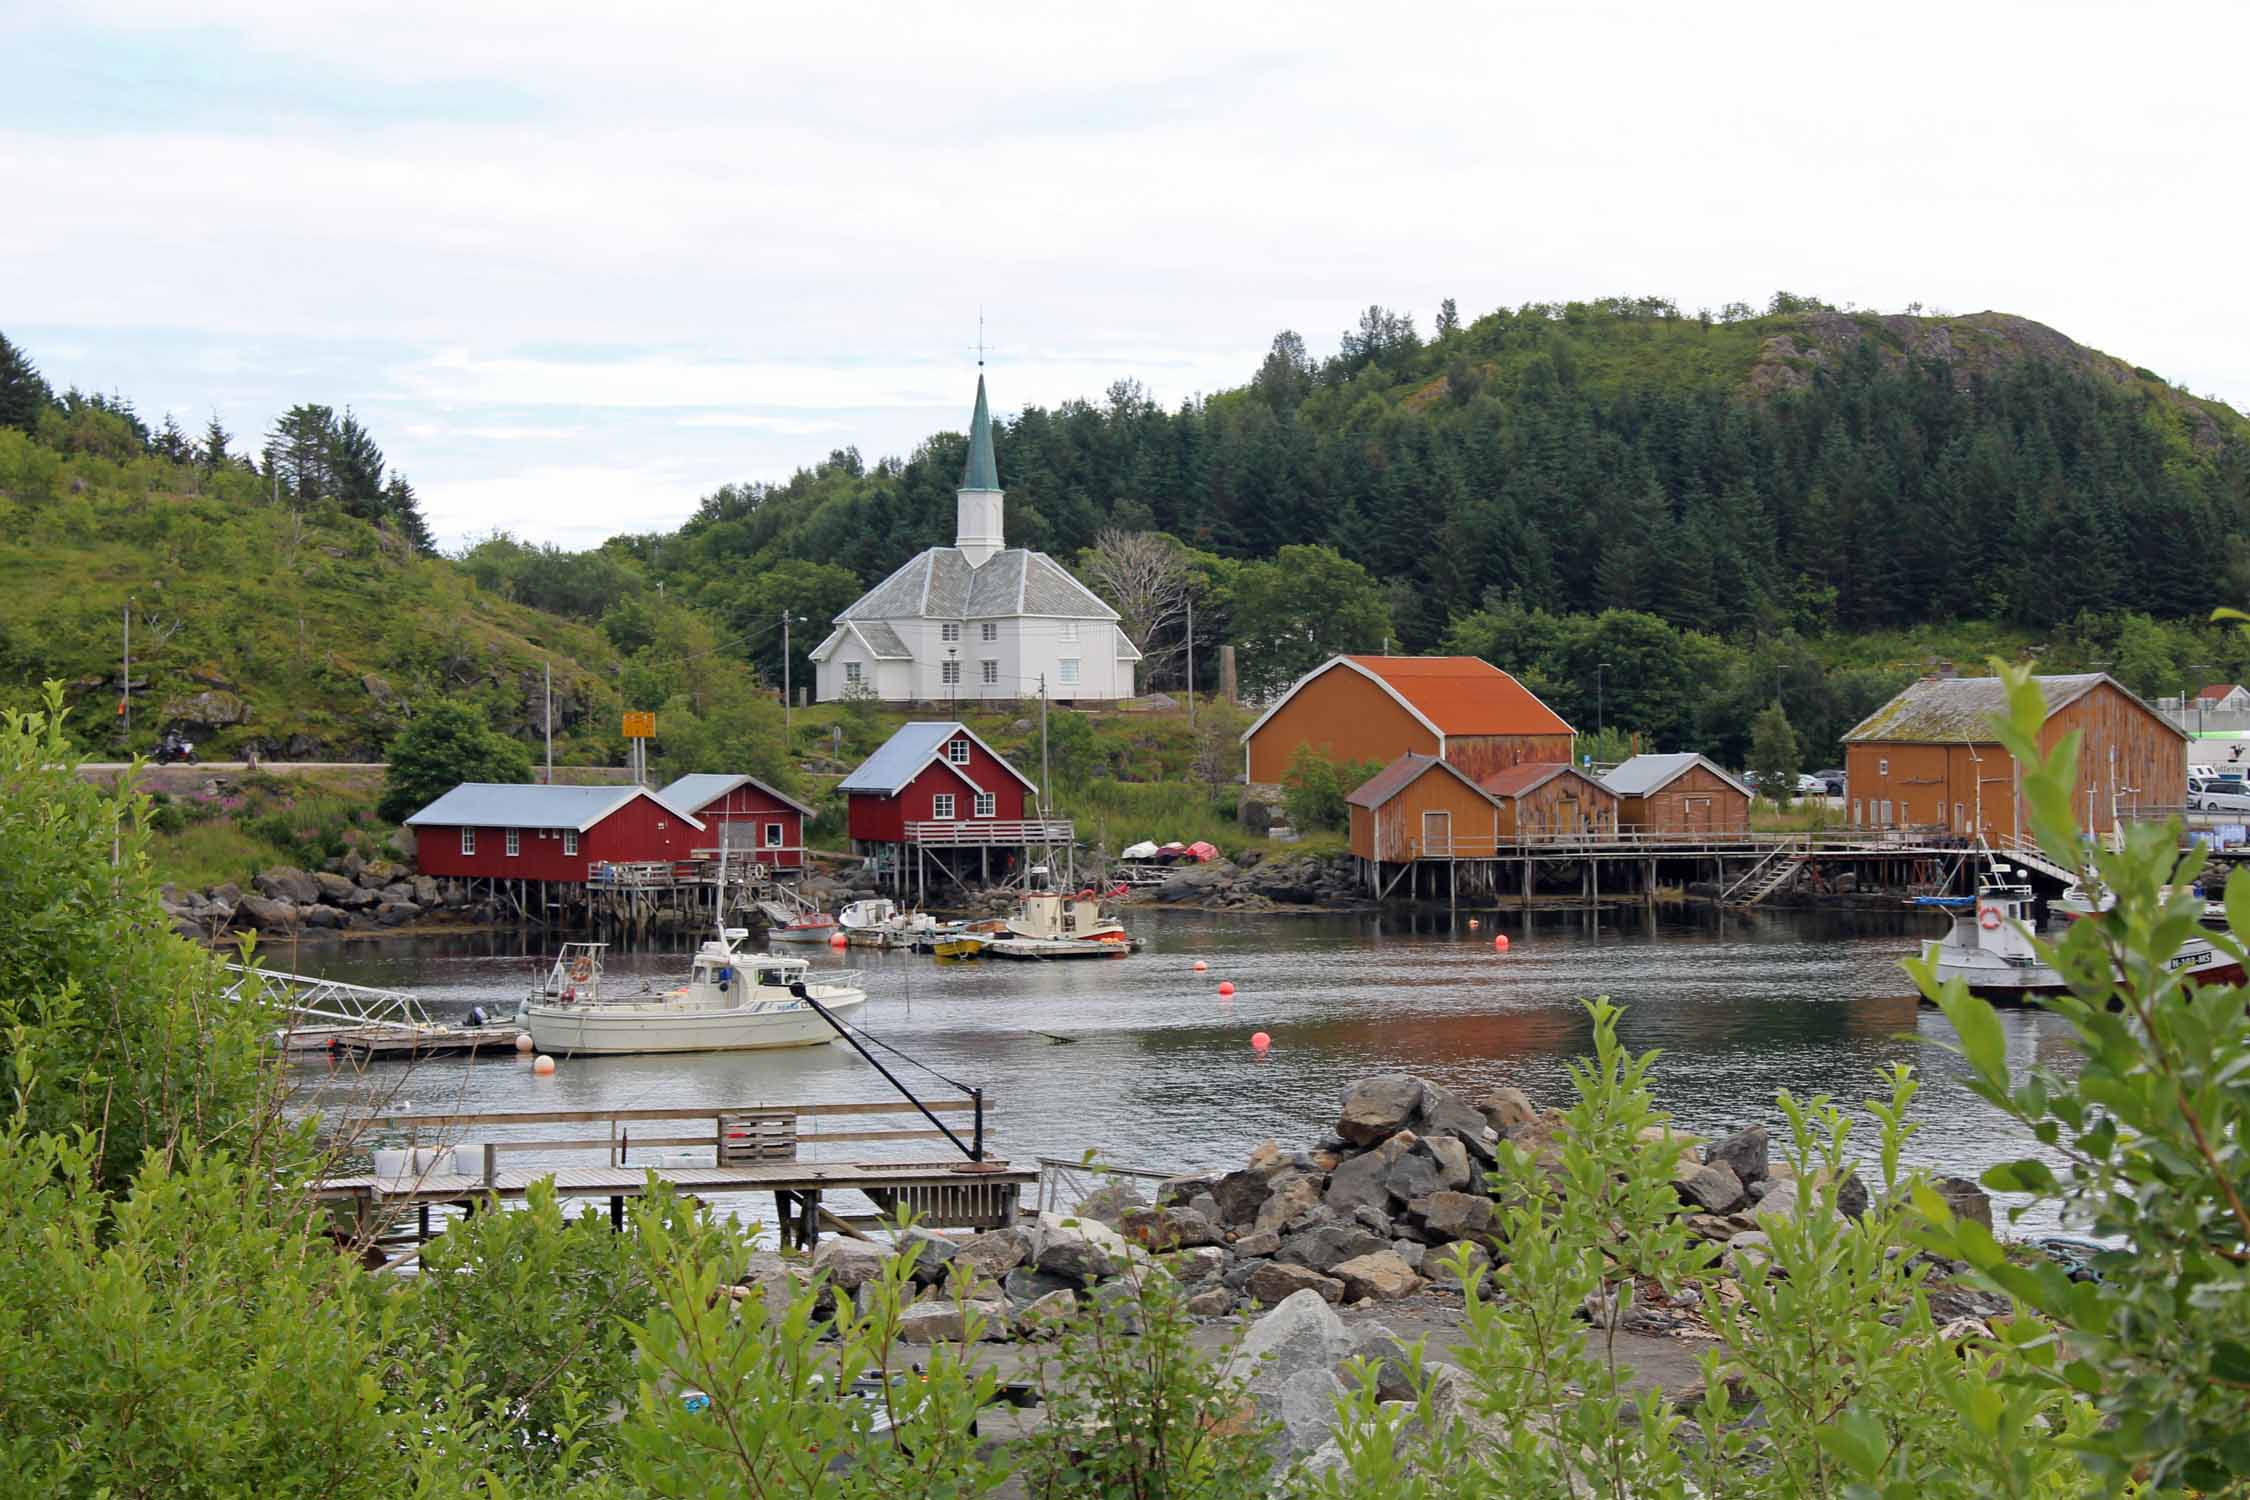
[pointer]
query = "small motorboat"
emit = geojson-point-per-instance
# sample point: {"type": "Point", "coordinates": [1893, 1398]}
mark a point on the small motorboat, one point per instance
{"type": "Point", "coordinates": [1991, 945]}
{"type": "Point", "coordinates": [786, 926]}
{"type": "Point", "coordinates": [968, 939]}
{"type": "Point", "coordinates": [1049, 924]}
{"type": "Point", "coordinates": [731, 1002]}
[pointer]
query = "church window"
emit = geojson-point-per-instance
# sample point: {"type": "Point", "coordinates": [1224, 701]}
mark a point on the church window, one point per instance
{"type": "Point", "coordinates": [950, 672]}
{"type": "Point", "coordinates": [957, 752]}
{"type": "Point", "coordinates": [851, 671]}
{"type": "Point", "coordinates": [984, 804]}
{"type": "Point", "coordinates": [950, 631]}
{"type": "Point", "coordinates": [1066, 671]}
{"type": "Point", "coordinates": [990, 630]}
{"type": "Point", "coordinates": [991, 672]}
{"type": "Point", "coordinates": [941, 807]}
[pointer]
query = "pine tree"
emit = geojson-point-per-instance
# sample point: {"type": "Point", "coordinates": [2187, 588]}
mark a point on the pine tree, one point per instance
{"type": "Point", "coordinates": [1773, 754]}
{"type": "Point", "coordinates": [298, 451]}
{"type": "Point", "coordinates": [401, 507]}
{"type": "Point", "coordinates": [213, 455]}
{"type": "Point", "coordinates": [23, 393]}
{"type": "Point", "coordinates": [355, 467]}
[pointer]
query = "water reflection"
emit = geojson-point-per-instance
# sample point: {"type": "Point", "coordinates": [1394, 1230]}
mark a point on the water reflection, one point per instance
{"type": "Point", "coordinates": [1158, 1070]}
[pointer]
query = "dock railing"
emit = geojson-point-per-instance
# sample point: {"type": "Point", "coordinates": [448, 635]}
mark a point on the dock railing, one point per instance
{"type": "Point", "coordinates": [971, 832]}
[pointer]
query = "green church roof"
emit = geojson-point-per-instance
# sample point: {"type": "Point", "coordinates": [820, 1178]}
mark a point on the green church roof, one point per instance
{"type": "Point", "coordinates": [980, 472]}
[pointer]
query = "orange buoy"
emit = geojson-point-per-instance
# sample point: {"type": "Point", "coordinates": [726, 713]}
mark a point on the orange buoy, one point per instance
{"type": "Point", "coordinates": [543, 1065]}
{"type": "Point", "coordinates": [1259, 1041]}
{"type": "Point", "coordinates": [1226, 987]}
{"type": "Point", "coordinates": [1200, 966]}
{"type": "Point", "coordinates": [523, 1041]}
{"type": "Point", "coordinates": [1500, 942]}
{"type": "Point", "coordinates": [838, 940]}
{"type": "Point", "coordinates": [1473, 924]}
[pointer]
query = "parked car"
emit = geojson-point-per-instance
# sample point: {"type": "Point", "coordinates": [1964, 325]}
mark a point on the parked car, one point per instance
{"type": "Point", "coordinates": [1833, 779]}
{"type": "Point", "coordinates": [2220, 794]}
{"type": "Point", "coordinates": [1809, 785]}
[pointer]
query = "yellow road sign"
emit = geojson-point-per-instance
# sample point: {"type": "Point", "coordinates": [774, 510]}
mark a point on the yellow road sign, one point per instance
{"type": "Point", "coordinates": [640, 726]}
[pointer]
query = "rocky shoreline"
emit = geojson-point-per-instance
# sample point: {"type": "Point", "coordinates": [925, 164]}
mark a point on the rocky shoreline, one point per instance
{"type": "Point", "coordinates": [352, 895]}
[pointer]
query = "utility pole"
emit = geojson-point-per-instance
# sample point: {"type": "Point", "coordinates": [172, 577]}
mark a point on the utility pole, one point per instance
{"type": "Point", "coordinates": [1045, 806]}
{"type": "Point", "coordinates": [1601, 703]}
{"type": "Point", "coordinates": [548, 669]}
{"type": "Point", "coordinates": [128, 700]}
{"type": "Point", "coordinates": [786, 742]}
{"type": "Point", "coordinates": [1191, 660]}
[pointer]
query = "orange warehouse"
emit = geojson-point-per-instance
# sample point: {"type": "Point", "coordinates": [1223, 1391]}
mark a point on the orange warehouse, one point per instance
{"type": "Point", "coordinates": [1419, 807]}
{"type": "Point", "coordinates": [1550, 800]}
{"type": "Point", "coordinates": [1682, 793]}
{"type": "Point", "coordinates": [1928, 758]}
{"type": "Point", "coordinates": [1459, 709]}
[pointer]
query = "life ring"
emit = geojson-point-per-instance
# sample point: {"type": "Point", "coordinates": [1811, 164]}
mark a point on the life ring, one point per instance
{"type": "Point", "coordinates": [1989, 919]}
{"type": "Point", "coordinates": [582, 970]}
{"type": "Point", "coordinates": [1085, 895]}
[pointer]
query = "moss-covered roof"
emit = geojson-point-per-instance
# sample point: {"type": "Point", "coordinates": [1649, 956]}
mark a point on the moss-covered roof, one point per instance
{"type": "Point", "coordinates": [1960, 710]}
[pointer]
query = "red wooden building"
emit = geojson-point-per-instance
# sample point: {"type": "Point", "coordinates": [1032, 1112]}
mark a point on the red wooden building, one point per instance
{"type": "Point", "coordinates": [485, 830]}
{"type": "Point", "coordinates": [744, 816]}
{"type": "Point", "coordinates": [937, 797]}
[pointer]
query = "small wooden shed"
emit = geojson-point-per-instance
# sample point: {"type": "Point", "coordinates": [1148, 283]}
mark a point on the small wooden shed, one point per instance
{"type": "Point", "coordinates": [1421, 807]}
{"type": "Point", "coordinates": [1680, 793]}
{"type": "Point", "coordinates": [1550, 799]}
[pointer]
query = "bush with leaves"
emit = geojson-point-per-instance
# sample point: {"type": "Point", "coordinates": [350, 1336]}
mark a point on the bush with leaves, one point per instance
{"type": "Point", "coordinates": [2154, 1134]}
{"type": "Point", "coordinates": [1314, 787]}
{"type": "Point", "coordinates": [448, 743]}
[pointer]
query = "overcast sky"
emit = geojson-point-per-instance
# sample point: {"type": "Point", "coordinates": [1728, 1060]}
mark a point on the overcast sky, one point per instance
{"type": "Point", "coordinates": [577, 265]}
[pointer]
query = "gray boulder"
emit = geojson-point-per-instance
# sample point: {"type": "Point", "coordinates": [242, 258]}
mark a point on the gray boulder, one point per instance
{"type": "Point", "coordinates": [995, 1253]}
{"type": "Point", "coordinates": [1293, 1193]}
{"type": "Point", "coordinates": [1044, 1318]}
{"type": "Point", "coordinates": [426, 892]}
{"type": "Point", "coordinates": [1241, 1194]}
{"type": "Point", "coordinates": [1452, 1158]}
{"type": "Point", "coordinates": [944, 1320]}
{"type": "Point", "coordinates": [395, 913]}
{"type": "Point", "coordinates": [1746, 1153]}
{"type": "Point", "coordinates": [1458, 1216]}
{"type": "Point", "coordinates": [1415, 1175]}
{"type": "Point", "coordinates": [1306, 1405]}
{"type": "Point", "coordinates": [1322, 1248]}
{"type": "Point", "coordinates": [850, 1263]}
{"type": "Point", "coordinates": [1107, 1204]}
{"type": "Point", "coordinates": [1376, 1108]}
{"type": "Point", "coordinates": [1965, 1198]}
{"type": "Point", "coordinates": [1358, 1184]}
{"type": "Point", "coordinates": [1392, 1368]}
{"type": "Point", "coordinates": [322, 916]}
{"type": "Point", "coordinates": [1185, 1188]}
{"type": "Point", "coordinates": [1262, 1242]}
{"type": "Point", "coordinates": [287, 883]}
{"type": "Point", "coordinates": [1713, 1188]}
{"type": "Point", "coordinates": [1074, 1257]}
{"type": "Point", "coordinates": [265, 913]}
{"type": "Point", "coordinates": [1301, 1334]}
{"type": "Point", "coordinates": [1274, 1282]}
{"type": "Point", "coordinates": [1380, 1277]}
{"type": "Point", "coordinates": [1169, 1228]}
{"type": "Point", "coordinates": [933, 1256]}
{"type": "Point", "coordinates": [1027, 1284]}
{"type": "Point", "coordinates": [334, 889]}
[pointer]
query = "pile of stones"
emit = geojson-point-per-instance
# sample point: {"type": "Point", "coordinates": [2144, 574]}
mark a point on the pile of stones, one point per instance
{"type": "Point", "coordinates": [352, 892]}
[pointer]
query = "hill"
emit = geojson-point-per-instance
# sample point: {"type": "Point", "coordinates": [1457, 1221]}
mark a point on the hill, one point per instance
{"type": "Point", "coordinates": [300, 631]}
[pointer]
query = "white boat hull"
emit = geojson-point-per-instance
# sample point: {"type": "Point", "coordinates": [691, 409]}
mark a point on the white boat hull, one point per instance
{"type": "Point", "coordinates": [612, 1029]}
{"type": "Point", "coordinates": [818, 934]}
{"type": "Point", "coordinates": [1020, 947]}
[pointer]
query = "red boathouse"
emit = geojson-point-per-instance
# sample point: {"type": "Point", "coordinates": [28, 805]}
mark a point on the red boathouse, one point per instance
{"type": "Point", "coordinates": [936, 787]}
{"type": "Point", "coordinates": [745, 816]}
{"type": "Point", "coordinates": [497, 831]}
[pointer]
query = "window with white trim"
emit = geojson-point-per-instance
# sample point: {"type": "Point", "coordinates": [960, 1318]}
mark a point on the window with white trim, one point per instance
{"type": "Point", "coordinates": [515, 842]}
{"type": "Point", "coordinates": [851, 672]}
{"type": "Point", "coordinates": [1883, 766]}
{"type": "Point", "coordinates": [949, 672]}
{"type": "Point", "coordinates": [570, 841]}
{"type": "Point", "coordinates": [949, 631]}
{"type": "Point", "coordinates": [1066, 671]}
{"type": "Point", "coordinates": [990, 671]}
{"type": "Point", "coordinates": [1069, 630]}
{"type": "Point", "coordinates": [957, 752]}
{"type": "Point", "coordinates": [941, 806]}
{"type": "Point", "coordinates": [984, 804]}
{"type": "Point", "coordinates": [989, 630]}
{"type": "Point", "coordinates": [773, 835]}
{"type": "Point", "coordinates": [468, 841]}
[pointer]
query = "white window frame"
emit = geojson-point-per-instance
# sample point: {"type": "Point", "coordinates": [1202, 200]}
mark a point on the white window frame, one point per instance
{"type": "Point", "coordinates": [985, 805]}
{"type": "Point", "coordinates": [957, 751]}
{"type": "Point", "coordinates": [990, 673]}
{"type": "Point", "coordinates": [773, 835]}
{"type": "Point", "coordinates": [468, 841]}
{"type": "Point", "coordinates": [941, 807]}
{"type": "Point", "coordinates": [1066, 671]}
{"type": "Point", "coordinates": [1883, 766]}
{"type": "Point", "coordinates": [949, 631]}
{"type": "Point", "coordinates": [851, 671]}
{"type": "Point", "coordinates": [989, 630]}
{"type": "Point", "coordinates": [515, 842]}
{"type": "Point", "coordinates": [1068, 632]}
{"type": "Point", "coordinates": [949, 672]}
{"type": "Point", "coordinates": [570, 841]}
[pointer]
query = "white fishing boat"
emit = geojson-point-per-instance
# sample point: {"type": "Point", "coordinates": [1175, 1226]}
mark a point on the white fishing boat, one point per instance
{"type": "Point", "coordinates": [1991, 947]}
{"type": "Point", "coordinates": [1050, 924]}
{"type": "Point", "coordinates": [732, 1001]}
{"type": "Point", "coordinates": [876, 923]}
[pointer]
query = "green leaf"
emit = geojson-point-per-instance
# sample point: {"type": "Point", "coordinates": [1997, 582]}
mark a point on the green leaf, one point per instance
{"type": "Point", "coordinates": [1982, 1041]}
{"type": "Point", "coordinates": [1857, 1441]}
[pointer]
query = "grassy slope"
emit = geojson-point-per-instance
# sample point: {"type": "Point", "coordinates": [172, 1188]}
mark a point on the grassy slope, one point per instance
{"type": "Point", "coordinates": [291, 614]}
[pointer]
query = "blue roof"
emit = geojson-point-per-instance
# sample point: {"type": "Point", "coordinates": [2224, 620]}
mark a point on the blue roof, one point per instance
{"type": "Point", "coordinates": [492, 804]}
{"type": "Point", "coordinates": [905, 753]}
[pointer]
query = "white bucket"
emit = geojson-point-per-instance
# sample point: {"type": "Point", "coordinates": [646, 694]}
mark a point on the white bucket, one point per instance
{"type": "Point", "coordinates": [393, 1164]}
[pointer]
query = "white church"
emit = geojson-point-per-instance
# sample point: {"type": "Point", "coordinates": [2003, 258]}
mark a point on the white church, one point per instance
{"type": "Point", "coordinates": [978, 619]}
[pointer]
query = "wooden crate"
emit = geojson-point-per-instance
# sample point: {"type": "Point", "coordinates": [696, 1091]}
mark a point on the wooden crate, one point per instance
{"type": "Point", "coordinates": [753, 1138]}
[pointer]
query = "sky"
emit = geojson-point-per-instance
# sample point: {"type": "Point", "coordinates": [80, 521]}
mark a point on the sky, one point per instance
{"type": "Point", "coordinates": [578, 265]}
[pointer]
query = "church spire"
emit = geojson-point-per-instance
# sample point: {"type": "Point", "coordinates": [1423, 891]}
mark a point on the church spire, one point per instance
{"type": "Point", "coordinates": [980, 472]}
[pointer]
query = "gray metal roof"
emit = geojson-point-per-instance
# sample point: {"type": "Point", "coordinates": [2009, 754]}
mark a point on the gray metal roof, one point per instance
{"type": "Point", "coordinates": [939, 584]}
{"type": "Point", "coordinates": [488, 804]}
{"type": "Point", "coordinates": [699, 789]}
{"type": "Point", "coordinates": [1651, 773]}
{"type": "Point", "coordinates": [902, 757]}
{"type": "Point", "coordinates": [1960, 710]}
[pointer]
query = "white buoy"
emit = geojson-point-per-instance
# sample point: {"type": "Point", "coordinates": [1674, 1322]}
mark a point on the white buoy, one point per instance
{"type": "Point", "coordinates": [543, 1065]}
{"type": "Point", "coordinates": [523, 1041]}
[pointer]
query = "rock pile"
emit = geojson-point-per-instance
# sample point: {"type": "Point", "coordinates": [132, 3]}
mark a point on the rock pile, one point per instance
{"type": "Point", "coordinates": [352, 892]}
{"type": "Point", "coordinates": [1276, 884]}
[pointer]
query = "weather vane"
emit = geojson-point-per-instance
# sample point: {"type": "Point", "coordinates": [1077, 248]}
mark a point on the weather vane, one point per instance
{"type": "Point", "coordinates": [980, 338]}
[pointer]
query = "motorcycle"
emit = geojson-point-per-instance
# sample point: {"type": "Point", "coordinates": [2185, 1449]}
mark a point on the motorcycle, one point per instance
{"type": "Point", "coordinates": [175, 749]}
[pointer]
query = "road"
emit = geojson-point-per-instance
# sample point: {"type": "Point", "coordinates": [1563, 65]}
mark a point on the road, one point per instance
{"type": "Point", "coordinates": [278, 767]}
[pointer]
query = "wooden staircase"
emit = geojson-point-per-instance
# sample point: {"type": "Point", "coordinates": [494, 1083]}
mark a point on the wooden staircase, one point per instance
{"type": "Point", "coordinates": [2026, 851]}
{"type": "Point", "coordinates": [1768, 875]}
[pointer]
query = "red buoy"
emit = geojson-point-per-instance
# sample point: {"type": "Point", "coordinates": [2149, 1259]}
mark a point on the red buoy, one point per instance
{"type": "Point", "coordinates": [1226, 987]}
{"type": "Point", "coordinates": [1500, 943]}
{"type": "Point", "coordinates": [1259, 1041]}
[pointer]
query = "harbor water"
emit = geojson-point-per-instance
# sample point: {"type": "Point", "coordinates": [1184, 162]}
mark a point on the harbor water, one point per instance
{"type": "Point", "coordinates": [1140, 1061]}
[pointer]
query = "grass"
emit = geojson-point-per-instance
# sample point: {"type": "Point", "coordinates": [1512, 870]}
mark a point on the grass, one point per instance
{"type": "Point", "coordinates": [261, 820]}
{"type": "Point", "coordinates": [1800, 816]}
